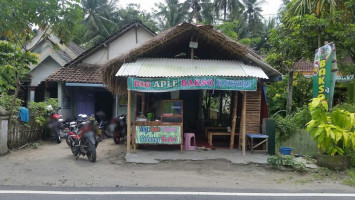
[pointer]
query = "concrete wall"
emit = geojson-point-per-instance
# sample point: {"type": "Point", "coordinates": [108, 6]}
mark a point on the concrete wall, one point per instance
{"type": "Point", "coordinates": [119, 46]}
{"type": "Point", "coordinates": [43, 70]}
{"type": "Point", "coordinates": [300, 142]}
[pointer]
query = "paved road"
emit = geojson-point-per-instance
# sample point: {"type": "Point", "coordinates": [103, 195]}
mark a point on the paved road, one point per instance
{"type": "Point", "coordinates": [58, 193]}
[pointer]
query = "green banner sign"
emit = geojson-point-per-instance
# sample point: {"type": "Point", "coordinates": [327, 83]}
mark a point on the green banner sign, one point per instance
{"type": "Point", "coordinates": [191, 83]}
{"type": "Point", "coordinates": [322, 72]}
{"type": "Point", "coordinates": [158, 135]}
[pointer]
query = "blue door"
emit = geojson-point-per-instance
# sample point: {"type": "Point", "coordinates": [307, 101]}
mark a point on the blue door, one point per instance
{"type": "Point", "coordinates": [85, 102]}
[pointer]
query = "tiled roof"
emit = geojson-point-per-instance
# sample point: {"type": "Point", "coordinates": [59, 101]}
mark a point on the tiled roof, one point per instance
{"type": "Point", "coordinates": [303, 66]}
{"type": "Point", "coordinates": [80, 73]}
{"type": "Point", "coordinates": [75, 48]}
{"type": "Point", "coordinates": [64, 55]}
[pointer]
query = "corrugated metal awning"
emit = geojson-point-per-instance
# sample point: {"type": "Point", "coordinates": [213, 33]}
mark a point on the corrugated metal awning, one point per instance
{"type": "Point", "coordinates": [165, 67]}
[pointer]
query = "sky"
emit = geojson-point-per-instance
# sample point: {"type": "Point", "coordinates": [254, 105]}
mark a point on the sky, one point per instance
{"type": "Point", "coordinates": [270, 7]}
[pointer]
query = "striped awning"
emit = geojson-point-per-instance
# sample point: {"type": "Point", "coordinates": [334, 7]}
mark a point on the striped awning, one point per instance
{"type": "Point", "coordinates": [165, 67]}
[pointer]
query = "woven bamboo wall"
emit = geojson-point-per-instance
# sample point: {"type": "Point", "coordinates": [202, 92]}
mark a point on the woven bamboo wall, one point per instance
{"type": "Point", "coordinates": [252, 113]}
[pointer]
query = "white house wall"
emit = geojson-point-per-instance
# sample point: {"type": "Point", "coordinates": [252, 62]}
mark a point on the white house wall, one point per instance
{"type": "Point", "coordinates": [43, 70]}
{"type": "Point", "coordinates": [119, 46]}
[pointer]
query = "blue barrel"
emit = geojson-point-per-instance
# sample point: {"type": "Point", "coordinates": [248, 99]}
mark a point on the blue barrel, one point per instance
{"type": "Point", "coordinates": [285, 150]}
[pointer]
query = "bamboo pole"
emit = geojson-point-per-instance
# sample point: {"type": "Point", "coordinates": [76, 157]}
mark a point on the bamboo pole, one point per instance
{"type": "Point", "coordinates": [129, 121]}
{"type": "Point", "coordinates": [143, 104]}
{"type": "Point", "coordinates": [244, 120]}
{"type": "Point", "coordinates": [234, 118]}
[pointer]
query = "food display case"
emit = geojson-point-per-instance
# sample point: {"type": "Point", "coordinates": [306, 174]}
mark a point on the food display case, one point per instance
{"type": "Point", "coordinates": [166, 130]}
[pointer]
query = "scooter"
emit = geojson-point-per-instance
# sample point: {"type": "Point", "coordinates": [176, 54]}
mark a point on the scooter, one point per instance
{"type": "Point", "coordinates": [56, 125]}
{"type": "Point", "coordinates": [118, 128]}
{"type": "Point", "coordinates": [86, 140]}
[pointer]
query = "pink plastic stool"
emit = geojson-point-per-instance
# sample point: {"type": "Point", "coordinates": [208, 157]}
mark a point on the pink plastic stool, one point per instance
{"type": "Point", "coordinates": [189, 141]}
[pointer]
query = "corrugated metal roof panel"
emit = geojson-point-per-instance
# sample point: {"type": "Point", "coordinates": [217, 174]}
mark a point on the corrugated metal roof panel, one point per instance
{"type": "Point", "coordinates": [165, 67]}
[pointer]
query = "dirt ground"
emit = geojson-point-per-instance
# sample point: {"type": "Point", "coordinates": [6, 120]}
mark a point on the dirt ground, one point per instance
{"type": "Point", "coordinates": [53, 164]}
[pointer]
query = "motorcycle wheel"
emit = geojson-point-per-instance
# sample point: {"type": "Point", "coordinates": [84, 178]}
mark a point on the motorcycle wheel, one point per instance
{"type": "Point", "coordinates": [57, 136]}
{"type": "Point", "coordinates": [91, 151]}
{"type": "Point", "coordinates": [74, 150]}
{"type": "Point", "coordinates": [68, 141]}
{"type": "Point", "coordinates": [108, 133]}
{"type": "Point", "coordinates": [116, 137]}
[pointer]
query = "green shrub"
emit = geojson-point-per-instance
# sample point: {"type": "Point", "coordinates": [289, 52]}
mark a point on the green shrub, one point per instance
{"type": "Point", "coordinates": [286, 161]}
{"type": "Point", "coordinates": [5, 102]}
{"type": "Point", "coordinates": [347, 107]}
{"type": "Point", "coordinates": [287, 126]}
{"type": "Point", "coordinates": [333, 131]}
{"type": "Point", "coordinates": [40, 110]}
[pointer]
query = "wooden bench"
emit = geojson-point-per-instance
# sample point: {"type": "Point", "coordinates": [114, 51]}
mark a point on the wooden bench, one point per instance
{"type": "Point", "coordinates": [263, 139]}
{"type": "Point", "coordinates": [209, 128]}
{"type": "Point", "coordinates": [212, 133]}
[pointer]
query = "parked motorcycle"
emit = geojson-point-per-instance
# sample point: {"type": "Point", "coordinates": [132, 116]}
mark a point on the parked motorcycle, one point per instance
{"type": "Point", "coordinates": [86, 140]}
{"type": "Point", "coordinates": [118, 128]}
{"type": "Point", "coordinates": [56, 125]}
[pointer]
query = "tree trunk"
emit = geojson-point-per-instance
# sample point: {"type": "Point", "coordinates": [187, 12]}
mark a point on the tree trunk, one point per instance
{"type": "Point", "coordinates": [13, 102]}
{"type": "Point", "coordinates": [225, 10]}
{"type": "Point", "coordinates": [289, 93]}
{"type": "Point", "coordinates": [319, 40]}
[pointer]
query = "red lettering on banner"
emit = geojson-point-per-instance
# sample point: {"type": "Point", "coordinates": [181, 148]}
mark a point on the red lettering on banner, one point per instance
{"type": "Point", "coordinates": [190, 83]}
{"type": "Point", "coordinates": [183, 83]}
{"type": "Point", "coordinates": [136, 83]}
{"type": "Point", "coordinates": [210, 82]}
{"type": "Point", "coordinates": [197, 83]}
{"type": "Point", "coordinates": [203, 82]}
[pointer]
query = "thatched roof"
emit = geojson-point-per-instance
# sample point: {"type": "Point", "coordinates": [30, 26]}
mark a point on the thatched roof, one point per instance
{"type": "Point", "coordinates": [212, 44]}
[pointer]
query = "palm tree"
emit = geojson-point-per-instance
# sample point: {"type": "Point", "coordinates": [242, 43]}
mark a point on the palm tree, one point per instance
{"type": "Point", "coordinates": [196, 9]}
{"type": "Point", "coordinates": [317, 7]}
{"type": "Point", "coordinates": [171, 12]}
{"type": "Point", "coordinates": [233, 6]}
{"type": "Point", "coordinates": [253, 14]}
{"type": "Point", "coordinates": [207, 13]}
{"type": "Point", "coordinates": [97, 17]}
{"type": "Point", "coordinates": [201, 11]}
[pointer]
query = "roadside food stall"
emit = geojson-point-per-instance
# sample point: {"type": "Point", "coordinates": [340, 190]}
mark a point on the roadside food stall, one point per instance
{"type": "Point", "coordinates": [149, 75]}
{"type": "Point", "coordinates": [180, 63]}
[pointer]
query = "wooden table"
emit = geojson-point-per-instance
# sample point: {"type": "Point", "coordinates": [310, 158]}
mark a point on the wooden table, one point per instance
{"type": "Point", "coordinates": [208, 128]}
{"type": "Point", "coordinates": [212, 133]}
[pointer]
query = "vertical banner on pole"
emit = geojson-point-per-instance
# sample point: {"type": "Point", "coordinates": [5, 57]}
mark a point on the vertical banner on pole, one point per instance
{"type": "Point", "coordinates": [323, 86]}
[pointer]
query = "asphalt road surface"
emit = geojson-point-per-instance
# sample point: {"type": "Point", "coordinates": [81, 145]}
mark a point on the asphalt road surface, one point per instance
{"type": "Point", "coordinates": [57, 193]}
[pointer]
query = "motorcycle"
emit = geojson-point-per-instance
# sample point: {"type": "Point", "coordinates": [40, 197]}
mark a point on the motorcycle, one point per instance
{"type": "Point", "coordinates": [56, 125]}
{"type": "Point", "coordinates": [118, 128]}
{"type": "Point", "coordinates": [86, 140]}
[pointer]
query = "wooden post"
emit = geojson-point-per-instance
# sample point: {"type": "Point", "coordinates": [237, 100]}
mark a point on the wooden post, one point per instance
{"type": "Point", "coordinates": [129, 121]}
{"type": "Point", "coordinates": [244, 110]}
{"type": "Point", "coordinates": [234, 118]}
{"type": "Point", "coordinates": [143, 104]}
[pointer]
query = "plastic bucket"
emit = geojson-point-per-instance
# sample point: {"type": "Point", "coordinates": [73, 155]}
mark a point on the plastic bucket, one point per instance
{"type": "Point", "coordinates": [285, 150]}
{"type": "Point", "coordinates": [150, 116]}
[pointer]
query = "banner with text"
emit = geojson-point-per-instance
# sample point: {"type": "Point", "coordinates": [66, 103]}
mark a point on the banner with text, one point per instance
{"type": "Point", "coordinates": [322, 72]}
{"type": "Point", "coordinates": [158, 135]}
{"type": "Point", "coordinates": [191, 83]}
